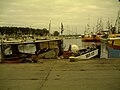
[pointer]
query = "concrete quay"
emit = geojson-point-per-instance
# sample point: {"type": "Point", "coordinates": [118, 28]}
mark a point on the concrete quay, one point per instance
{"type": "Point", "coordinates": [97, 74]}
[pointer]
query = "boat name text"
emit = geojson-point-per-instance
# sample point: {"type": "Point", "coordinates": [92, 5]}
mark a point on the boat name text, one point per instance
{"type": "Point", "coordinates": [89, 54]}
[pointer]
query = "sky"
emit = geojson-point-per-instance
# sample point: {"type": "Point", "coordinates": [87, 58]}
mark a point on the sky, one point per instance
{"type": "Point", "coordinates": [74, 14]}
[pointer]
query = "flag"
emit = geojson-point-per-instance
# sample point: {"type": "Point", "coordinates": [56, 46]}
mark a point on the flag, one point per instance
{"type": "Point", "coordinates": [62, 29]}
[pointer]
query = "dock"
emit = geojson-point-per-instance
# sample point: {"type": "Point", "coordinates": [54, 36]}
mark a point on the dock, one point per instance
{"type": "Point", "coordinates": [61, 74]}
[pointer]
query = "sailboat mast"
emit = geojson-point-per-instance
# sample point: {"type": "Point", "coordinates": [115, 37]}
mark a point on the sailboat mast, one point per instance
{"type": "Point", "coordinates": [49, 27]}
{"type": "Point", "coordinates": [62, 29]}
{"type": "Point", "coordinates": [119, 21]}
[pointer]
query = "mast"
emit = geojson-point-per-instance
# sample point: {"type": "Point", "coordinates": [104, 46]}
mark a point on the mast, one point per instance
{"type": "Point", "coordinates": [62, 29]}
{"type": "Point", "coordinates": [119, 21]}
{"type": "Point", "coordinates": [49, 28]}
{"type": "Point", "coordinates": [99, 26]}
{"type": "Point", "coordinates": [119, 18]}
{"type": "Point", "coordinates": [108, 26]}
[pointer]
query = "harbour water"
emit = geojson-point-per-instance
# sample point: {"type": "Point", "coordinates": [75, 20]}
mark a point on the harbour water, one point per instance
{"type": "Point", "coordinates": [82, 45]}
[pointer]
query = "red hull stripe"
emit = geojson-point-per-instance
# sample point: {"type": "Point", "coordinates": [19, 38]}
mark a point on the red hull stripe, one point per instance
{"type": "Point", "coordinates": [114, 46]}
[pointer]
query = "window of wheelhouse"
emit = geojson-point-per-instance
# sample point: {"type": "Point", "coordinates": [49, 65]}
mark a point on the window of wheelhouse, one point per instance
{"type": "Point", "coordinates": [27, 48]}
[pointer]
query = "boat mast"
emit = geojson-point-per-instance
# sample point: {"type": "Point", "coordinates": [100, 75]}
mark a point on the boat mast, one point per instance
{"type": "Point", "coordinates": [49, 28]}
{"type": "Point", "coordinates": [62, 28]}
{"type": "Point", "coordinates": [119, 21]}
{"type": "Point", "coordinates": [99, 25]}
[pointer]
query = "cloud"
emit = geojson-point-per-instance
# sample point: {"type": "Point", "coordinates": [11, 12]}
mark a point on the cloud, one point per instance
{"type": "Point", "coordinates": [38, 13]}
{"type": "Point", "coordinates": [92, 7]}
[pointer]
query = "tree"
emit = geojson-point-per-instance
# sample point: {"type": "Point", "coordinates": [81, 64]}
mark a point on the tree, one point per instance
{"type": "Point", "coordinates": [56, 33]}
{"type": "Point", "coordinates": [45, 31]}
{"type": "Point", "coordinates": [23, 30]}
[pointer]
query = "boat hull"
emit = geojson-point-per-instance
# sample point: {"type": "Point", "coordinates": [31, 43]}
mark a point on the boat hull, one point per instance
{"type": "Point", "coordinates": [86, 55]}
{"type": "Point", "coordinates": [91, 39]}
{"type": "Point", "coordinates": [114, 46]}
{"type": "Point", "coordinates": [113, 51]}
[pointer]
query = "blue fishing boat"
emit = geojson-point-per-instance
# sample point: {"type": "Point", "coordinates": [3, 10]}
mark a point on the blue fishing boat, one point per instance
{"type": "Point", "coordinates": [114, 46]}
{"type": "Point", "coordinates": [114, 40]}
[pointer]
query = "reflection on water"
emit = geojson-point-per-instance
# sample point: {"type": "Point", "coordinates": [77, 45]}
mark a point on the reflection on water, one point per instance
{"type": "Point", "coordinates": [81, 45]}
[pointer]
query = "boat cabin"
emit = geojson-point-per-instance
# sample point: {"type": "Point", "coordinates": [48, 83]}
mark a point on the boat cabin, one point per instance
{"type": "Point", "coordinates": [39, 48]}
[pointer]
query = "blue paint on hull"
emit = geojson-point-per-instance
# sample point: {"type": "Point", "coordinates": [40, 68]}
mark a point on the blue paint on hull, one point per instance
{"type": "Point", "coordinates": [113, 53]}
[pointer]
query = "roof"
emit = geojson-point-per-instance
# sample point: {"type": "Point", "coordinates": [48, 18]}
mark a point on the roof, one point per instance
{"type": "Point", "coordinates": [28, 42]}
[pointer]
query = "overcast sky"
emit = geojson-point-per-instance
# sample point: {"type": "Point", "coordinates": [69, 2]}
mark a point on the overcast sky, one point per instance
{"type": "Point", "coordinates": [74, 14]}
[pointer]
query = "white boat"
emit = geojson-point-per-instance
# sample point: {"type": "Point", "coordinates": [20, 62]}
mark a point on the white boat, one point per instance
{"type": "Point", "coordinates": [88, 53]}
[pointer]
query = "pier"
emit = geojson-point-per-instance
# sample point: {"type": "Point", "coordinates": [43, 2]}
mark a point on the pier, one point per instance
{"type": "Point", "coordinates": [61, 74]}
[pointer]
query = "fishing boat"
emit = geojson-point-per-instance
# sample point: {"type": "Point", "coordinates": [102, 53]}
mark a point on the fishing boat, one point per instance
{"type": "Point", "coordinates": [16, 52]}
{"type": "Point", "coordinates": [91, 38]}
{"type": "Point", "coordinates": [114, 40]}
{"type": "Point", "coordinates": [114, 46]}
{"type": "Point", "coordinates": [94, 35]}
{"type": "Point", "coordinates": [75, 53]}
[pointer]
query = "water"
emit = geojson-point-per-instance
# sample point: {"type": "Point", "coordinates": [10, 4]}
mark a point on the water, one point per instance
{"type": "Point", "coordinates": [81, 45]}
{"type": "Point", "coordinates": [78, 42]}
{"type": "Point", "coordinates": [67, 42]}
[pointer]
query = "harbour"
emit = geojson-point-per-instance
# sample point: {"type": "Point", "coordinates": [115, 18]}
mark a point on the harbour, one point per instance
{"type": "Point", "coordinates": [60, 45]}
{"type": "Point", "coordinates": [88, 45]}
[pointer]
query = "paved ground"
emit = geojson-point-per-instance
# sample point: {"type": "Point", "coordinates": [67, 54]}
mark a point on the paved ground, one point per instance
{"type": "Point", "coordinates": [61, 75]}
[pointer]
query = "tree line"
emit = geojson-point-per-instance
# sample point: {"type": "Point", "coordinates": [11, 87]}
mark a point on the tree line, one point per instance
{"type": "Point", "coordinates": [23, 31]}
